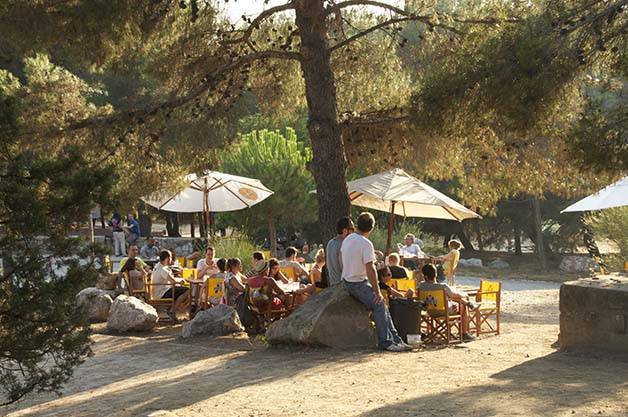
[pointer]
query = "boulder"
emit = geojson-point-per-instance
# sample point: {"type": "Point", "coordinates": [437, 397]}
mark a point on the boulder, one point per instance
{"type": "Point", "coordinates": [96, 302]}
{"type": "Point", "coordinates": [472, 262]}
{"type": "Point", "coordinates": [220, 320]}
{"type": "Point", "coordinates": [130, 314]}
{"type": "Point", "coordinates": [499, 264]}
{"type": "Point", "coordinates": [577, 264]}
{"type": "Point", "coordinates": [330, 318]}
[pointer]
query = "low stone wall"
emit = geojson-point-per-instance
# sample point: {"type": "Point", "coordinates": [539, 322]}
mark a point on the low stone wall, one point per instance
{"type": "Point", "coordinates": [594, 313]}
{"type": "Point", "coordinates": [181, 245]}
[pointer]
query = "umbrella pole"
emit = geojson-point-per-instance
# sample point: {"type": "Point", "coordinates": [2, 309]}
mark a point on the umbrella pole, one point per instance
{"type": "Point", "coordinates": [391, 224]}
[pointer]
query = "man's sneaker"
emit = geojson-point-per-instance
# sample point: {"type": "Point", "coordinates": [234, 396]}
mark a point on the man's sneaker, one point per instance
{"type": "Point", "coordinates": [396, 348]}
{"type": "Point", "coordinates": [466, 337]}
{"type": "Point", "coordinates": [406, 346]}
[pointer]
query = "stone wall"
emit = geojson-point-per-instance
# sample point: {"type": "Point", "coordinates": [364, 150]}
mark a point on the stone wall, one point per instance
{"type": "Point", "coordinates": [594, 313]}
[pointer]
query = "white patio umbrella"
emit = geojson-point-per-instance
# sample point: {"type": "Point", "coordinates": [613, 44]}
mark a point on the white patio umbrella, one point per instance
{"type": "Point", "coordinates": [615, 195]}
{"type": "Point", "coordinates": [397, 192]}
{"type": "Point", "coordinates": [213, 192]}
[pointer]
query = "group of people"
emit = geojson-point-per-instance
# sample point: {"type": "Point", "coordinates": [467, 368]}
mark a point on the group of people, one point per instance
{"type": "Point", "coordinates": [124, 234]}
{"type": "Point", "coordinates": [351, 259]}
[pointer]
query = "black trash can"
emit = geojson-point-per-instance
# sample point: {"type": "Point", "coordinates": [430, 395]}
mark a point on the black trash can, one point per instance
{"type": "Point", "coordinates": [406, 315]}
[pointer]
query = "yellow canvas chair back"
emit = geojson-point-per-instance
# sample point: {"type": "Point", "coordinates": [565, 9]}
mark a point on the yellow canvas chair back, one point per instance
{"type": "Point", "coordinates": [188, 273]}
{"type": "Point", "coordinates": [289, 272]}
{"type": "Point", "coordinates": [181, 260]}
{"type": "Point", "coordinates": [404, 284]}
{"type": "Point", "coordinates": [435, 301]}
{"type": "Point", "coordinates": [489, 290]}
{"type": "Point", "coordinates": [266, 254]}
{"type": "Point", "coordinates": [214, 289]}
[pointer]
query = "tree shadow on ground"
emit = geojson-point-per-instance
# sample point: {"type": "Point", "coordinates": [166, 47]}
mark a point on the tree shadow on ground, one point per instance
{"type": "Point", "coordinates": [134, 379]}
{"type": "Point", "coordinates": [554, 384]}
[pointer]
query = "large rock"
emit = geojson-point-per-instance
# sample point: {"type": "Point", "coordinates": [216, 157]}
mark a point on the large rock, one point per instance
{"type": "Point", "coordinates": [330, 318]}
{"type": "Point", "coordinates": [220, 320]}
{"type": "Point", "coordinates": [96, 302]}
{"type": "Point", "coordinates": [130, 314]}
{"type": "Point", "coordinates": [472, 262]}
{"type": "Point", "coordinates": [577, 264]}
{"type": "Point", "coordinates": [594, 314]}
{"type": "Point", "coordinates": [499, 264]}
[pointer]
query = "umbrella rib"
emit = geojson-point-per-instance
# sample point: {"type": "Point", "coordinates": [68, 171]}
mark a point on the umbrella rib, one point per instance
{"type": "Point", "coordinates": [236, 196]}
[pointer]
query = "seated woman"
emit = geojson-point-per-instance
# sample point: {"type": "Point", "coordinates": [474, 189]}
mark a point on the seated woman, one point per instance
{"type": "Point", "coordinates": [161, 285]}
{"type": "Point", "coordinates": [384, 276]}
{"type": "Point", "coordinates": [136, 274]}
{"type": "Point", "coordinates": [264, 289]}
{"type": "Point", "coordinates": [234, 282]}
{"type": "Point", "coordinates": [318, 274]}
{"type": "Point", "coordinates": [301, 294]}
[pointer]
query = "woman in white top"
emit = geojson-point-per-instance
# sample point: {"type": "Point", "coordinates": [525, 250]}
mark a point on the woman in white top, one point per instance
{"type": "Point", "coordinates": [234, 282]}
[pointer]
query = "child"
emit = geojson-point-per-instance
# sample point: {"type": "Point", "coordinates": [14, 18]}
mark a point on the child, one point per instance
{"type": "Point", "coordinates": [450, 261]}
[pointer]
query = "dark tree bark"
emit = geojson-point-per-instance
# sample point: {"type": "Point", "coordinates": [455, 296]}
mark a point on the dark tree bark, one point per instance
{"type": "Point", "coordinates": [539, 241]}
{"type": "Point", "coordinates": [329, 164]}
{"type": "Point", "coordinates": [192, 233]}
{"type": "Point", "coordinates": [517, 232]}
{"type": "Point", "coordinates": [272, 231]}
{"type": "Point", "coordinates": [172, 225]}
{"type": "Point", "coordinates": [478, 235]}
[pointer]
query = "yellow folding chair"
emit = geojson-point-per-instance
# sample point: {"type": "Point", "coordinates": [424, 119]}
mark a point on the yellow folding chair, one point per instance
{"type": "Point", "coordinates": [486, 315]}
{"type": "Point", "coordinates": [188, 273]}
{"type": "Point", "coordinates": [266, 254]}
{"type": "Point", "coordinates": [404, 284]}
{"type": "Point", "coordinates": [215, 290]}
{"type": "Point", "coordinates": [158, 302]}
{"type": "Point", "coordinates": [436, 320]}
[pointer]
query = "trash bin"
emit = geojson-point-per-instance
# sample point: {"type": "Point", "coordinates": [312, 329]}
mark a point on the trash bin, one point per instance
{"type": "Point", "coordinates": [406, 315]}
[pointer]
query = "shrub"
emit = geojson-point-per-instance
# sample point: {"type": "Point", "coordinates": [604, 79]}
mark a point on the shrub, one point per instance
{"type": "Point", "coordinates": [611, 224]}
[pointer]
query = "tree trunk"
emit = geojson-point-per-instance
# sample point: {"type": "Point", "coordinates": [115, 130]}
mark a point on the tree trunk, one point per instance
{"type": "Point", "coordinates": [478, 235]}
{"type": "Point", "coordinates": [272, 231]}
{"type": "Point", "coordinates": [466, 242]}
{"type": "Point", "coordinates": [538, 231]}
{"type": "Point", "coordinates": [517, 232]}
{"type": "Point", "coordinates": [192, 233]}
{"type": "Point", "coordinates": [329, 164]}
{"type": "Point", "coordinates": [172, 225]}
{"type": "Point", "coordinates": [201, 225]}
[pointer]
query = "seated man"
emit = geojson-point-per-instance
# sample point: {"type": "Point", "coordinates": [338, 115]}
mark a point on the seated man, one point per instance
{"type": "Point", "coordinates": [384, 276]}
{"type": "Point", "coordinates": [461, 299]}
{"type": "Point", "coordinates": [411, 252]}
{"type": "Point", "coordinates": [291, 262]}
{"type": "Point", "coordinates": [150, 250]}
{"type": "Point", "coordinates": [138, 263]}
{"type": "Point", "coordinates": [398, 272]}
{"type": "Point", "coordinates": [207, 266]}
{"type": "Point", "coordinates": [162, 280]}
{"type": "Point", "coordinates": [257, 256]}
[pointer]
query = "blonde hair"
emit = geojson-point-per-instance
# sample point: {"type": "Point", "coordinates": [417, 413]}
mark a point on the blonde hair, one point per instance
{"type": "Point", "coordinates": [320, 256]}
{"type": "Point", "coordinates": [455, 244]}
{"type": "Point", "coordinates": [395, 256]}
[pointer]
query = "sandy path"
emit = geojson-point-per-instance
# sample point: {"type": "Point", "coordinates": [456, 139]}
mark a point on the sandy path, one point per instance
{"type": "Point", "coordinates": [516, 373]}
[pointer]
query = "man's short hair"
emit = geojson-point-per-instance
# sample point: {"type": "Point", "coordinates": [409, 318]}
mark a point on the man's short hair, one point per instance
{"type": "Point", "coordinates": [429, 271]}
{"type": "Point", "coordinates": [366, 222]}
{"type": "Point", "coordinates": [258, 256]}
{"type": "Point", "coordinates": [164, 254]}
{"type": "Point", "coordinates": [132, 245]}
{"type": "Point", "coordinates": [291, 251]}
{"type": "Point", "coordinates": [344, 223]}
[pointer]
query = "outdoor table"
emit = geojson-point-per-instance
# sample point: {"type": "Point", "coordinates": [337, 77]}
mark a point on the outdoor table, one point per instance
{"type": "Point", "coordinates": [472, 291]}
{"type": "Point", "coordinates": [289, 288]}
{"type": "Point", "coordinates": [195, 293]}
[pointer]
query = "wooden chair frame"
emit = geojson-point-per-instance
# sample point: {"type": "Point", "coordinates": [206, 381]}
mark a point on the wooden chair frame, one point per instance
{"type": "Point", "coordinates": [484, 312]}
{"type": "Point", "coordinates": [133, 292]}
{"type": "Point", "coordinates": [265, 316]}
{"type": "Point", "coordinates": [159, 302]}
{"type": "Point", "coordinates": [438, 323]}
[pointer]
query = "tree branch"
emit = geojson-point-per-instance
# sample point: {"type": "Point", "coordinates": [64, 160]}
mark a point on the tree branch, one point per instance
{"type": "Point", "coordinates": [256, 22]}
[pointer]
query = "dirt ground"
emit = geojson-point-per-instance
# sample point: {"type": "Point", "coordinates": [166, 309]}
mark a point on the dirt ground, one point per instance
{"type": "Point", "coordinates": [516, 373]}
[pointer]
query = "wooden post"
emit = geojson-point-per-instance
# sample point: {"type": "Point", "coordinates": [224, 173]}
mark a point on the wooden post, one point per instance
{"type": "Point", "coordinates": [540, 246]}
{"type": "Point", "coordinates": [391, 225]}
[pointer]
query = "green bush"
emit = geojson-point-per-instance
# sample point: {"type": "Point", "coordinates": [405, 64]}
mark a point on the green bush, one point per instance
{"type": "Point", "coordinates": [235, 247]}
{"type": "Point", "coordinates": [611, 224]}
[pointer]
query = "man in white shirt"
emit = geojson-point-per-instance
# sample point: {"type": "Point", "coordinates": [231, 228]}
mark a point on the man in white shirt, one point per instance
{"type": "Point", "coordinates": [162, 280]}
{"type": "Point", "coordinates": [411, 252]}
{"type": "Point", "coordinates": [207, 266]}
{"type": "Point", "coordinates": [360, 280]}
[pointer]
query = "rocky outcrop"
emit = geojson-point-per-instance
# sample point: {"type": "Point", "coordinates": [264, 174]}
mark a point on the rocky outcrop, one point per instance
{"type": "Point", "coordinates": [130, 314]}
{"type": "Point", "coordinates": [471, 262]}
{"type": "Point", "coordinates": [499, 264]}
{"type": "Point", "coordinates": [577, 264]}
{"type": "Point", "coordinates": [96, 303]}
{"type": "Point", "coordinates": [220, 320]}
{"type": "Point", "coordinates": [330, 318]}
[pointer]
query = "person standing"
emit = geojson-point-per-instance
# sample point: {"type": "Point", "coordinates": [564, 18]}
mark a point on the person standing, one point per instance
{"type": "Point", "coordinates": [119, 247]}
{"type": "Point", "coordinates": [360, 279]}
{"type": "Point", "coordinates": [333, 262]}
{"type": "Point", "coordinates": [132, 229]}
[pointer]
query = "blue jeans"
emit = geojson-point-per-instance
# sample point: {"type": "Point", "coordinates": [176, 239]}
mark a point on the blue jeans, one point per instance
{"type": "Point", "coordinates": [386, 332]}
